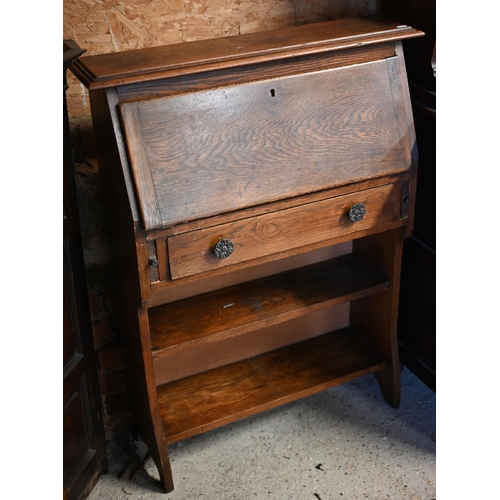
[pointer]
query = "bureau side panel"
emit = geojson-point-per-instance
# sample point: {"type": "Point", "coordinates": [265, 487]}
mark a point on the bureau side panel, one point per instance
{"type": "Point", "coordinates": [129, 258]}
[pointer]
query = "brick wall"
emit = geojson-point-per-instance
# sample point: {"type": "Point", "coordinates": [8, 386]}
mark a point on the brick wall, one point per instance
{"type": "Point", "coordinates": [111, 368]}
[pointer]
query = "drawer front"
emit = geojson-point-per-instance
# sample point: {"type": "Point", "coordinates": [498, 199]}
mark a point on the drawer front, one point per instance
{"type": "Point", "coordinates": [195, 252]}
{"type": "Point", "coordinates": [200, 154]}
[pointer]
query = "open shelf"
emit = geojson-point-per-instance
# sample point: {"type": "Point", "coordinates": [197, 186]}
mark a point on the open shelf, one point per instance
{"type": "Point", "coordinates": [268, 301]}
{"type": "Point", "coordinates": [208, 400]}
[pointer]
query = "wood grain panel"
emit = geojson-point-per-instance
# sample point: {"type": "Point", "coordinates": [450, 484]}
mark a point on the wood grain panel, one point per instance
{"type": "Point", "coordinates": [236, 310]}
{"type": "Point", "coordinates": [182, 364]}
{"type": "Point", "coordinates": [170, 291]}
{"type": "Point", "coordinates": [199, 403]}
{"type": "Point", "coordinates": [255, 72]}
{"type": "Point", "coordinates": [76, 449]}
{"type": "Point", "coordinates": [192, 253]}
{"type": "Point", "coordinates": [143, 180]}
{"type": "Point", "coordinates": [234, 147]}
{"type": "Point", "coordinates": [244, 145]}
{"type": "Point", "coordinates": [153, 63]}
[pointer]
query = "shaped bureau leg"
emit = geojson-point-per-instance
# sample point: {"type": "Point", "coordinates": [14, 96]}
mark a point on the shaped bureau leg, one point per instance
{"type": "Point", "coordinates": [389, 381]}
{"type": "Point", "coordinates": [162, 461]}
{"type": "Point", "coordinates": [152, 427]}
{"type": "Point", "coordinates": [375, 317]}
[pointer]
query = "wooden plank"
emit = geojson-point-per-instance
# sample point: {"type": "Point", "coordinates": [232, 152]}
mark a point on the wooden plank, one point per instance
{"type": "Point", "coordinates": [405, 91]}
{"type": "Point", "coordinates": [243, 308]}
{"type": "Point", "coordinates": [399, 106]}
{"type": "Point", "coordinates": [171, 291]}
{"type": "Point", "coordinates": [280, 231]}
{"type": "Point", "coordinates": [202, 402]}
{"type": "Point", "coordinates": [161, 248]}
{"type": "Point", "coordinates": [375, 317]}
{"type": "Point", "coordinates": [255, 72]}
{"type": "Point", "coordinates": [134, 66]}
{"type": "Point", "coordinates": [181, 364]}
{"type": "Point", "coordinates": [139, 161]}
{"type": "Point", "coordinates": [276, 206]}
{"type": "Point", "coordinates": [235, 147]}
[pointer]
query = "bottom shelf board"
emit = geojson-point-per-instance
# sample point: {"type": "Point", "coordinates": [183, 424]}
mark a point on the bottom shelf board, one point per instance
{"type": "Point", "coordinates": [217, 397]}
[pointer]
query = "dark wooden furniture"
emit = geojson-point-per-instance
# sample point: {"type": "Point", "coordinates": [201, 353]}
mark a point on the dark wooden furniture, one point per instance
{"type": "Point", "coordinates": [84, 454]}
{"type": "Point", "coordinates": [417, 312]}
{"type": "Point", "coordinates": [258, 191]}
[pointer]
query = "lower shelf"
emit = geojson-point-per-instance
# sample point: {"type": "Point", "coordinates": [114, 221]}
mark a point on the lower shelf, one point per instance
{"type": "Point", "coordinates": [226, 394]}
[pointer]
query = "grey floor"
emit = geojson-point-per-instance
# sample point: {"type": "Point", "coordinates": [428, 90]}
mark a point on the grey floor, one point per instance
{"type": "Point", "coordinates": [345, 442]}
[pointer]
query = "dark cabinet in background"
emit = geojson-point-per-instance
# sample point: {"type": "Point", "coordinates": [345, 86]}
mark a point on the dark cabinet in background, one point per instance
{"type": "Point", "coordinates": [417, 306]}
{"type": "Point", "coordinates": [84, 456]}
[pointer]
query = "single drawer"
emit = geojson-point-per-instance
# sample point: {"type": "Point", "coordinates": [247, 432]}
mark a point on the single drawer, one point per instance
{"type": "Point", "coordinates": [207, 249]}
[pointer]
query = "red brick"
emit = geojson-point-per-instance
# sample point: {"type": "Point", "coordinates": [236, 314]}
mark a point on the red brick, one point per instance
{"type": "Point", "coordinates": [113, 383]}
{"type": "Point", "coordinates": [110, 359]}
{"type": "Point", "coordinates": [96, 304]}
{"type": "Point", "coordinates": [98, 276]}
{"type": "Point", "coordinates": [103, 333]}
{"type": "Point", "coordinates": [116, 403]}
{"type": "Point", "coordinates": [117, 426]}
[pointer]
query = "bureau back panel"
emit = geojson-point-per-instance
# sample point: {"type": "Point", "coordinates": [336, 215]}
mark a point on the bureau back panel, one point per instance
{"type": "Point", "coordinates": [199, 154]}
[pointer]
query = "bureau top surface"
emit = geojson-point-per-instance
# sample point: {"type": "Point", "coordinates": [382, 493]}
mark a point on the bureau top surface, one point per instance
{"type": "Point", "coordinates": [135, 66]}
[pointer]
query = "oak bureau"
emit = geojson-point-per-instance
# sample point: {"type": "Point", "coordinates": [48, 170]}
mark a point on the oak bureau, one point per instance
{"type": "Point", "coordinates": [258, 189]}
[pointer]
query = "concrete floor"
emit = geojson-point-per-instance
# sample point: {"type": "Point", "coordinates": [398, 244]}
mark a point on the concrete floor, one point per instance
{"type": "Point", "coordinates": [345, 442]}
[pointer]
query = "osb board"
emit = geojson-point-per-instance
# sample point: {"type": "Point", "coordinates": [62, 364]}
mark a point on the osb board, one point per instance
{"type": "Point", "coordinates": [101, 26]}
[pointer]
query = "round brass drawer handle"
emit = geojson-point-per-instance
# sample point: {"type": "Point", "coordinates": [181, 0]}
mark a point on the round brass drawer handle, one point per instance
{"type": "Point", "coordinates": [223, 249]}
{"type": "Point", "coordinates": [357, 212]}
